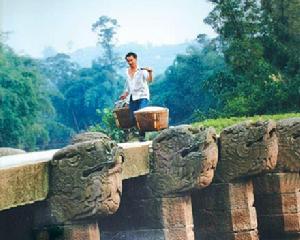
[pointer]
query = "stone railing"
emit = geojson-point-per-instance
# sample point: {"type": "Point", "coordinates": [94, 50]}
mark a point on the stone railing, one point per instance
{"type": "Point", "coordinates": [187, 184]}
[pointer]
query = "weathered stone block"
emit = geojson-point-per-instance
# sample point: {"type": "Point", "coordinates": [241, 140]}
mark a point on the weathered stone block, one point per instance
{"type": "Point", "coordinates": [88, 136]}
{"type": "Point", "coordinates": [6, 151]}
{"type": "Point", "coordinates": [80, 232]}
{"type": "Point", "coordinates": [270, 225]}
{"type": "Point", "coordinates": [247, 149]}
{"type": "Point", "coordinates": [70, 232]}
{"type": "Point", "coordinates": [156, 213]}
{"type": "Point", "coordinates": [224, 196]}
{"type": "Point", "coordinates": [179, 233]}
{"type": "Point", "coordinates": [177, 212]}
{"type": "Point", "coordinates": [85, 180]}
{"type": "Point", "coordinates": [150, 234]}
{"type": "Point", "coordinates": [225, 209]}
{"type": "Point", "coordinates": [247, 235]}
{"type": "Point", "coordinates": [184, 158]}
{"type": "Point", "coordinates": [277, 183]}
{"type": "Point", "coordinates": [144, 234]}
{"type": "Point", "coordinates": [23, 184]}
{"type": "Point", "coordinates": [275, 203]}
{"type": "Point", "coordinates": [136, 159]}
{"type": "Point", "coordinates": [288, 145]}
{"type": "Point", "coordinates": [232, 220]}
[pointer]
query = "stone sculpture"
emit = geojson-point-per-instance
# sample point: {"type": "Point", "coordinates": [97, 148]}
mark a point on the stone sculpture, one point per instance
{"type": "Point", "coordinates": [184, 158]}
{"type": "Point", "coordinates": [288, 145]}
{"type": "Point", "coordinates": [88, 136]}
{"type": "Point", "coordinates": [247, 149]}
{"type": "Point", "coordinates": [85, 180]}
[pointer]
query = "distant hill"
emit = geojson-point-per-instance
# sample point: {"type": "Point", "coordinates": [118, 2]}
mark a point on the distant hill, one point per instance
{"type": "Point", "coordinates": [158, 57]}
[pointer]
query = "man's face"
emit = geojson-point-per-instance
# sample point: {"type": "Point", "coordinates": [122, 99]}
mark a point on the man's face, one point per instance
{"type": "Point", "coordinates": [131, 61]}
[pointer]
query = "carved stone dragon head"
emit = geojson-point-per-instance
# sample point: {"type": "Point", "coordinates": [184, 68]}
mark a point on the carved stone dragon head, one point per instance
{"type": "Point", "coordinates": [85, 180]}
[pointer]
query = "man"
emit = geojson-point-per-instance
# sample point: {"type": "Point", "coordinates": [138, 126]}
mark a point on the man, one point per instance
{"type": "Point", "coordinates": [136, 86]}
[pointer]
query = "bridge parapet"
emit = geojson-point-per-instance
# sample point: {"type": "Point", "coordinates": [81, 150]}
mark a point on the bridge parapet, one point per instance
{"type": "Point", "coordinates": [24, 178]}
{"type": "Point", "coordinates": [187, 179]}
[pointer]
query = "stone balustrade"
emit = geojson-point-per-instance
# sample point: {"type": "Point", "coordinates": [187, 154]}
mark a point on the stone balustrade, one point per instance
{"type": "Point", "coordinates": [187, 184]}
{"type": "Point", "coordinates": [24, 178]}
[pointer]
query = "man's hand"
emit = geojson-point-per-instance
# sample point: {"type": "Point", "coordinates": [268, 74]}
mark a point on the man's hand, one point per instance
{"type": "Point", "coordinates": [124, 96]}
{"type": "Point", "coordinates": [149, 70]}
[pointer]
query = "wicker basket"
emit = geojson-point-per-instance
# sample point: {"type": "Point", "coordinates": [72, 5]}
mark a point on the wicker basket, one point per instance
{"type": "Point", "coordinates": [152, 118]}
{"type": "Point", "coordinates": [122, 118]}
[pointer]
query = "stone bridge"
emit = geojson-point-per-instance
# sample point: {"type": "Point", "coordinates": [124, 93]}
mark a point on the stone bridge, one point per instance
{"type": "Point", "coordinates": [189, 183]}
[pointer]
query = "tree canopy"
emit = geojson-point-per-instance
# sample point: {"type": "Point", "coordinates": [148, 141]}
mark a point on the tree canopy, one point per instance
{"type": "Point", "coordinates": [21, 101]}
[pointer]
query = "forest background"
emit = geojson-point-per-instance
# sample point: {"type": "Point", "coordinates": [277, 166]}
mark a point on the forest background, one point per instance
{"type": "Point", "coordinates": [251, 67]}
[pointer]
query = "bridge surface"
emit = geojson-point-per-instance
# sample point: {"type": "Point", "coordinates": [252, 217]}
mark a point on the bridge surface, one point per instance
{"type": "Point", "coordinates": [25, 180]}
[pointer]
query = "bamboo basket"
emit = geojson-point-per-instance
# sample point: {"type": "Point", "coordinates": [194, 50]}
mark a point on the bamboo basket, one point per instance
{"type": "Point", "coordinates": [152, 118]}
{"type": "Point", "coordinates": [122, 118]}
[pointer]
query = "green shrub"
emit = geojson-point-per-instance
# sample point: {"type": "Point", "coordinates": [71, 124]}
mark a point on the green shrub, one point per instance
{"type": "Point", "coordinates": [221, 123]}
{"type": "Point", "coordinates": [108, 125]}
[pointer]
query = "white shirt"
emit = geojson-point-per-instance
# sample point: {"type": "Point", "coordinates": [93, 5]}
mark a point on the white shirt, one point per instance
{"type": "Point", "coordinates": [137, 86]}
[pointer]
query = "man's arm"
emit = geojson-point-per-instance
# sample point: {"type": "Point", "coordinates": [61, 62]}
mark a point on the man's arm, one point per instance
{"type": "Point", "coordinates": [150, 76]}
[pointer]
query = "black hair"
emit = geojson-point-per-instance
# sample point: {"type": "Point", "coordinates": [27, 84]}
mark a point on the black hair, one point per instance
{"type": "Point", "coordinates": [131, 54]}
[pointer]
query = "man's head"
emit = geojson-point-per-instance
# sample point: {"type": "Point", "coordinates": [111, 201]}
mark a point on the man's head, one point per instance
{"type": "Point", "coordinates": [131, 59]}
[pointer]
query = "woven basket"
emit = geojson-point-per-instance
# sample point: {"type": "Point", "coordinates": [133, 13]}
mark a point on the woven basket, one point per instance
{"type": "Point", "coordinates": [122, 118]}
{"type": "Point", "coordinates": [152, 118]}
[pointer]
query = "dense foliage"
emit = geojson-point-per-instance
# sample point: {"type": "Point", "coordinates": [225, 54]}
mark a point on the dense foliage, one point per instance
{"type": "Point", "coordinates": [220, 123]}
{"type": "Point", "coordinates": [22, 103]}
{"type": "Point", "coordinates": [181, 89]}
{"type": "Point", "coordinates": [43, 102]}
{"type": "Point", "coordinates": [251, 68]}
{"type": "Point", "coordinates": [108, 125]}
{"type": "Point", "coordinates": [261, 51]}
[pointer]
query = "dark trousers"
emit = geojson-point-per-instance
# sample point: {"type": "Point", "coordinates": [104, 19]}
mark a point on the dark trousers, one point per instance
{"type": "Point", "coordinates": [135, 105]}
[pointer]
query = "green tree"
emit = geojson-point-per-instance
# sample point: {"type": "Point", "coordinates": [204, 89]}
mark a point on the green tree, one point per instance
{"type": "Point", "coordinates": [181, 87]}
{"type": "Point", "coordinates": [106, 29]}
{"type": "Point", "coordinates": [108, 126]}
{"type": "Point", "coordinates": [82, 91]}
{"type": "Point", "coordinates": [253, 81]}
{"type": "Point", "coordinates": [60, 73]}
{"type": "Point", "coordinates": [22, 102]}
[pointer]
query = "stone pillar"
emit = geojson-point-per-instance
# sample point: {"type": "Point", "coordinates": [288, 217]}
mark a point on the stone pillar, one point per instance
{"type": "Point", "coordinates": [225, 211]}
{"type": "Point", "coordinates": [277, 200]}
{"type": "Point", "coordinates": [143, 217]}
{"type": "Point", "coordinates": [177, 218]}
{"type": "Point", "coordinates": [82, 231]}
{"type": "Point", "coordinates": [158, 206]}
{"type": "Point", "coordinates": [277, 195]}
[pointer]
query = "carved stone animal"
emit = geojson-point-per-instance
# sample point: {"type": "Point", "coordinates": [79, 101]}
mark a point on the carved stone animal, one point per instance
{"type": "Point", "coordinates": [288, 145]}
{"type": "Point", "coordinates": [247, 149]}
{"type": "Point", "coordinates": [184, 158]}
{"type": "Point", "coordinates": [85, 180]}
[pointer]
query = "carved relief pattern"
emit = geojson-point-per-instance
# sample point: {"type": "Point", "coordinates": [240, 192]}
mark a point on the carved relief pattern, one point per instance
{"type": "Point", "coordinates": [289, 145]}
{"type": "Point", "coordinates": [247, 149]}
{"type": "Point", "coordinates": [85, 180]}
{"type": "Point", "coordinates": [184, 159]}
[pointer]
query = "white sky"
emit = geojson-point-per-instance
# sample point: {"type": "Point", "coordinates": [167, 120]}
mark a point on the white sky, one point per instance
{"type": "Point", "coordinates": [62, 24]}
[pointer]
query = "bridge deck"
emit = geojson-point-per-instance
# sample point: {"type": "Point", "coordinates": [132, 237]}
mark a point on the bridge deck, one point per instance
{"type": "Point", "coordinates": [26, 159]}
{"type": "Point", "coordinates": [24, 177]}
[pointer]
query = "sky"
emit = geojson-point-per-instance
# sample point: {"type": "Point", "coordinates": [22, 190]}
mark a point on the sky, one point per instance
{"type": "Point", "coordinates": [65, 25]}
